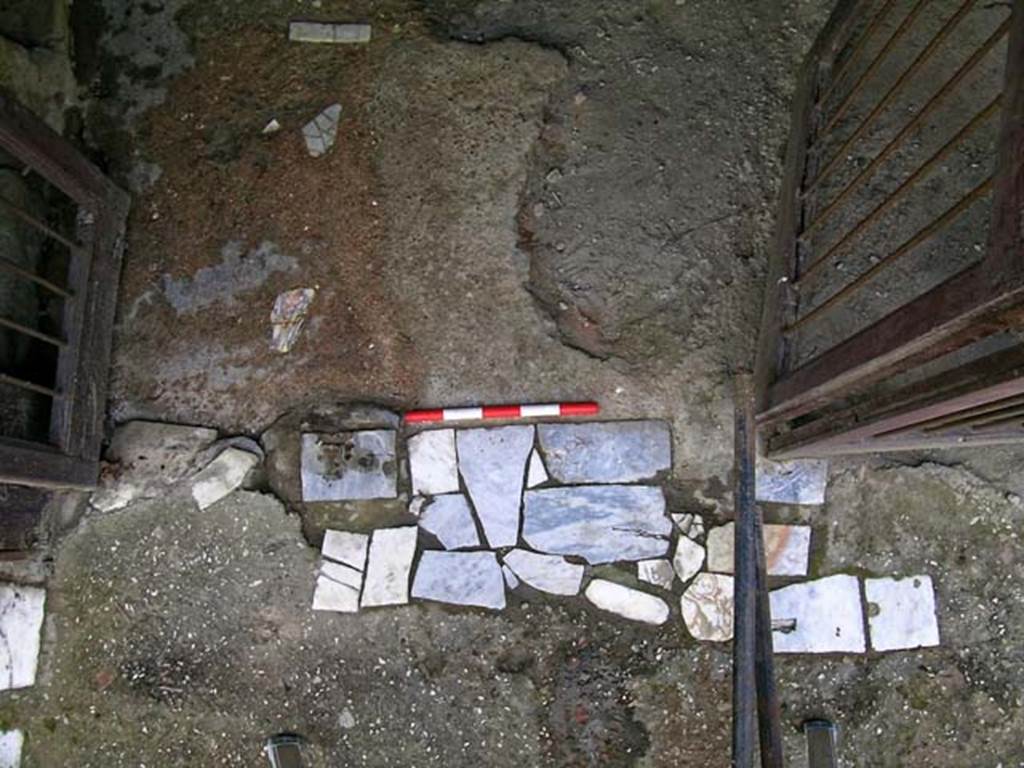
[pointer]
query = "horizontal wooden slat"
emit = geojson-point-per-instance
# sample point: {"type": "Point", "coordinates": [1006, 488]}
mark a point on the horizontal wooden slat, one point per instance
{"type": "Point", "coordinates": [23, 463]}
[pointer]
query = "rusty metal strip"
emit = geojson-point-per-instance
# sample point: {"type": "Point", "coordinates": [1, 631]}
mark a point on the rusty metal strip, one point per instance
{"type": "Point", "coordinates": [856, 50]}
{"type": "Point", "coordinates": [42, 226]}
{"type": "Point", "coordinates": [15, 326]}
{"type": "Point", "coordinates": [866, 75]}
{"type": "Point", "coordinates": [922, 235]}
{"type": "Point", "coordinates": [910, 127]}
{"type": "Point", "coordinates": [919, 61]}
{"type": "Point", "coordinates": [975, 122]}
{"type": "Point", "coordinates": [9, 266]}
{"type": "Point", "coordinates": [32, 387]}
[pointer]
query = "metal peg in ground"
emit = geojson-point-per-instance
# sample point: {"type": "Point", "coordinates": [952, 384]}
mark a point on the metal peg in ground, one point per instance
{"type": "Point", "coordinates": [821, 743]}
{"type": "Point", "coordinates": [285, 751]}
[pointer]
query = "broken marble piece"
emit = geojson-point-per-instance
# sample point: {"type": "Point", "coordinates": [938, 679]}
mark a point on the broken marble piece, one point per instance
{"type": "Point", "coordinates": [627, 602]}
{"type": "Point", "coordinates": [827, 613]}
{"type": "Point", "coordinates": [450, 519]}
{"type": "Point", "coordinates": [683, 521]}
{"type": "Point", "coordinates": [601, 523]}
{"type": "Point", "coordinates": [460, 578]}
{"type": "Point", "coordinates": [346, 547]}
{"type": "Point", "coordinates": [901, 613]}
{"type": "Point", "coordinates": [288, 316]}
{"type": "Point", "coordinates": [657, 572]}
{"type": "Point", "coordinates": [606, 452]}
{"type": "Point", "coordinates": [787, 549]}
{"type": "Point", "coordinates": [11, 743]}
{"type": "Point", "coordinates": [432, 462]}
{"type": "Point", "coordinates": [510, 578]}
{"type": "Point", "coordinates": [21, 621]}
{"type": "Point", "coordinates": [800, 481]}
{"type": "Point", "coordinates": [349, 465]}
{"type": "Point", "coordinates": [145, 458]}
{"type": "Point", "coordinates": [330, 594]}
{"type": "Point", "coordinates": [707, 607]}
{"type": "Point", "coordinates": [536, 474]}
{"type": "Point", "coordinates": [548, 573]}
{"type": "Point", "coordinates": [222, 475]}
{"type": "Point", "coordinates": [688, 558]}
{"type": "Point", "coordinates": [321, 132]}
{"type": "Point", "coordinates": [319, 32]}
{"type": "Point", "coordinates": [493, 464]}
{"type": "Point", "coordinates": [389, 565]}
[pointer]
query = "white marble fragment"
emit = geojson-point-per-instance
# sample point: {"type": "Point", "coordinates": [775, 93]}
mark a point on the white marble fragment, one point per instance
{"type": "Point", "coordinates": [288, 316]}
{"type": "Point", "coordinates": [346, 547]}
{"type": "Point", "coordinates": [331, 595]}
{"type": "Point", "coordinates": [21, 621]}
{"type": "Point", "coordinates": [901, 613]}
{"type": "Point", "coordinates": [688, 558]}
{"type": "Point", "coordinates": [827, 613]}
{"type": "Point", "coordinates": [548, 573]}
{"type": "Point", "coordinates": [432, 462]}
{"type": "Point", "coordinates": [460, 578]}
{"type": "Point", "coordinates": [342, 574]}
{"type": "Point", "coordinates": [320, 32]}
{"type": "Point", "coordinates": [606, 452]}
{"type": "Point", "coordinates": [787, 549]}
{"type": "Point", "coordinates": [657, 572]}
{"type": "Point", "coordinates": [707, 607]}
{"type": "Point", "coordinates": [321, 132]}
{"type": "Point", "coordinates": [510, 578]}
{"type": "Point", "coordinates": [222, 476]}
{"type": "Point", "coordinates": [349, 465]}
{"type": "Point", "coordinates": [626, 602]}
{"type": "Point", "coordinates": [450, 519]}
{"type": "Point", "coordinates": [536, 474]}
{"type": "Point", "coordinates": [493, 464]}
{"type": "Point", "coordinates": [11, 743]}
{"type": "Point", "coordinates": [600, 523]}
{"type": "Point", "coordinates": [683, 521]}
{"type": "Point", "coordinates": [799, 481]}
{"type": "Point", "coordinates": [388, 566]}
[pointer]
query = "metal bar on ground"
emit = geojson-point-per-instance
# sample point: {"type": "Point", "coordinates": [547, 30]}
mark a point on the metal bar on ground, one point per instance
{"type": "Point", "coordinates": [919, 237]}
{"type": "Point", "coordinates": [42, 226]}
{"type": "Point", "coordinates": [821, 744]}
{"type": "Point", "coordinates": [894, 144]}
{"type": "Point", "coordinates": [866, 75]}
{"type": "Point", "coordinates": [478, 413]}
{"type": "Point", "coordinates": [769, 712]}
{"type": "Point", "coordinates": [14, 326]}
{"type": "Point", "coordinates": [14, 381]}
{"type": "Point", "coordinates": [9, 266]}
{"type": "Point", "coordinates": [744, 644]}
{"type": "Point", "coordinates": [908, 183]}
{"type": "Point", "coordinates": [919, 61]}
{"type": "Point", "coordinates": [856, 50]}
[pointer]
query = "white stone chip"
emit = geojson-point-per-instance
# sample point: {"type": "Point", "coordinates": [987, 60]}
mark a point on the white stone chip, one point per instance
{"type": "Point", "coordinates": [460, 578]}
{"type": "Point", "coordinates": [548, 573]}
{"type": "Point", "coordinates": [626, 602]}
{"type": "Point", "coordinates": [222, 476]}
{"type": "Point", "coordinates": [330, 595]}
{"type": "Point", "coordinates": [707, 607]}
{"type": "Point", "coordinates": [321, 132]}
{"type": "Point", "coordinates": [510, 578]}
{"type": "Point", "coordinates": [21, 621]}
{"type": "Point", "coordinates": [688, 558]}
{"type": "Point", "coordinates": [787, 549]}
{"type": "Point", "coordinates": [657, 572]}
{"type": "Point", "coordinates": [493, 464]}
{"type": "Point", "coordinates": [432, 462]}
{"type": "Point", "coordinates": [683, 521]}
{"type": "Point", "coordinates": [342, 574]}
{"type": "Point", "coordinates": [319, 32]}
{"type": "Point", "coordinates": [346, 547]}
{"type": "Point", "coordinates": [536, 474]}
{"type": "Point", "coordinates": [450, 519]}
{"type": "Point", "coordinates": [799, 481]}
{"type": "Point", "coordinates": [828, 616]}
{"type": "Point", "coordinates": [11, 743]}
{"type": "Point", "coordinates": [388, 566]}
{"type": "Point", "coordinates": [606, 452]}
{"type": "Point", "coordinates": [901, 613]}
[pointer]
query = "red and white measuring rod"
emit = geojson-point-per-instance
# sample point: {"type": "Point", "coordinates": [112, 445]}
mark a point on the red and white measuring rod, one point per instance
{"type": "Point", "coordinates": [503, 412]}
